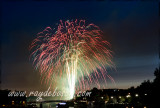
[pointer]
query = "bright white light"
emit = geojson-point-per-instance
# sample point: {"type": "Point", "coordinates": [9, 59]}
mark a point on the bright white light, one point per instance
{"type": "Point", "coordinates": [128, 96]}
{"type": "Point", "coordinates": [111, 97]}
{"type": "Point", "coordinates": [145, 94]}
{"type": "Point", "coordinates": [62, 103]}
{"type": "Point", "coordinates": [136, 95]}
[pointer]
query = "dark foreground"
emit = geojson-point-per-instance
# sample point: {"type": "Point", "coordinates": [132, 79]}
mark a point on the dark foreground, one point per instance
{"type": "Point", "coordinates": [79, 105]}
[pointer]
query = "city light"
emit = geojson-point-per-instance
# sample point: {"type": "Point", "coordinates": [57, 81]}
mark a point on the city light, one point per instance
{"type": "Point", "coordinates": [128, 96]}
{"type": "Point", "coordinates": [111, 97]}
{"type": "Point", "coordinates": [62, 103]}
{"type": "Point", "coordinates": [136, 95]}
{"type": "Point", "coordinates": [12, 102]}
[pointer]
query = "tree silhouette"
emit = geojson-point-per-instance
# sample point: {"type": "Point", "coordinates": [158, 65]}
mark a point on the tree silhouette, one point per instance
{"type": "Point", "coordinates": [157, 75]}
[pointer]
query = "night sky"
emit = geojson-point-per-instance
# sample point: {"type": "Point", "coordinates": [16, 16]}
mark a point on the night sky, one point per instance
{"type": "Point", "coordinates": [130, 27]}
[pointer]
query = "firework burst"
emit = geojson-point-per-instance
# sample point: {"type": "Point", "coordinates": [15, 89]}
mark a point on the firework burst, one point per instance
{"type": "Point", "coordinates": [74, 56]}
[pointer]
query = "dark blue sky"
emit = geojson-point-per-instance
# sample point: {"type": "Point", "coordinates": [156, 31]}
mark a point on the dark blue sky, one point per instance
{"type": "Point", "coordinates": [131, 28]}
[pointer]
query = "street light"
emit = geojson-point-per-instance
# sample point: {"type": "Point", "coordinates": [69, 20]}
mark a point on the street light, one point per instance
{"type": "Point", "coordinates": [128, 96]}
{"type": "Point", "coordinates": [136, 95]}
{"type": "Point", "coordinates": [111, 97]}
{"type": "Point", "coordinates": [12, 102]}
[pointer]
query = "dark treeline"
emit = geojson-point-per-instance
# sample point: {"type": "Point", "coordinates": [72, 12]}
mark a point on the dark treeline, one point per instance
{"type": "Point", "coordinates": [152, 89]}
{"type": "Point", "coordinates": [146, 95]}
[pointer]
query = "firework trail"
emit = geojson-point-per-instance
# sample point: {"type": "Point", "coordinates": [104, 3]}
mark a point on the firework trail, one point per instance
{"type": "Point", "coordinates": [73, 57]}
